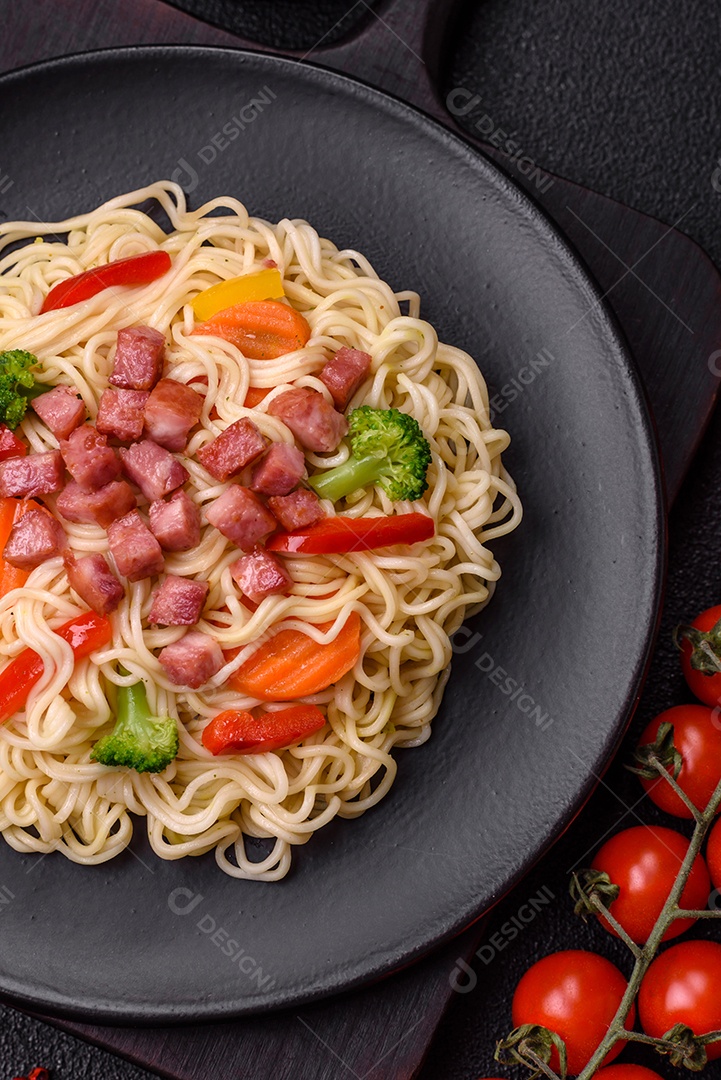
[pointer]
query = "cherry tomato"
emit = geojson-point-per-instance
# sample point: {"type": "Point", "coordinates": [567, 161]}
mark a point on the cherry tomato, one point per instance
{"type": "Point", "coordinates": [627, 1072]}
{"type": "Point", "coordinates": [644, 863]}
{"type": "Point", "coordinates": [576, 994]}
{"type": "Point", "coordinates": [713, 854]}
{"type": "Point", "coordinates": [706, 687]}
{"type": "Point", "coordinates": [697, 737]}
{"type": "Point", "coordinates": [682, 987]}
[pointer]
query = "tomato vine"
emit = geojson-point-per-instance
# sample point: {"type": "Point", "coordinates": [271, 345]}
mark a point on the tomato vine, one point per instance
{"type": "Point", "coordinates": [533, 1045]}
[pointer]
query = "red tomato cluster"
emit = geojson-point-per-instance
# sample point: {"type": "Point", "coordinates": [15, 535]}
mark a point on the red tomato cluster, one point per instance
{"type": "Point", "coordinates": [682, 987]}
{"type": "Point", "coordinates": [704, 686]}
{"type": "Point", "coordinates": [697, 737]}
{"type": "Point", "coordinates": [644, 862]}
{"type": "Point", "coordinates": [576, 994]}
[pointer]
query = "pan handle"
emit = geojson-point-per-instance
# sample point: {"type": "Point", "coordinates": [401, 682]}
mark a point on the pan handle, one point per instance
{"type": "Point", "coordinates": [397, 47]}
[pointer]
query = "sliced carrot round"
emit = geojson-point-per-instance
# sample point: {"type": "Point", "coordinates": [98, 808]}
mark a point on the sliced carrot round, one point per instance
{"type": "Point", "coordinates": [255, 395]}
{"type": "Point", "coordinates": [261, 329]}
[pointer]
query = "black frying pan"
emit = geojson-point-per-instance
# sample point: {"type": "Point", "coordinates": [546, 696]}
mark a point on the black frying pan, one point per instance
{"type": "Point", "coordinates": [543, 681]}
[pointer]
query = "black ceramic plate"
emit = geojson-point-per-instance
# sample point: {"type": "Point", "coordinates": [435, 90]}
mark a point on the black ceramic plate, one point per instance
{"type": "Point", "coordinates": [544, 679]}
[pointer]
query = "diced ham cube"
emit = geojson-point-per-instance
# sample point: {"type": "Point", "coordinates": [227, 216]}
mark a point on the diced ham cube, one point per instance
{"type": "Point", "coordinates": [89, 459]}
{"type": "Point", "coordinates": [344, 373]}
{"type": "Point", "coordinates": [298, 510]}
{"type": "Point", "coordinates": [192, 660]}
{"type": "Point", "coordinates": [176, 523]}
{"type": "Point", "coordinates": [260, 574]}
{"type": "Point", "coordinates": [136, 552]}
{"type": "Point", "coordinates": [171, 411]}
{"type": "Point", "coordinates": [10, 445]}
{"type": "Point", "coordinates": [36, 474]}
{"type": "Point", "coordinates": [121, 413]}
{"type": "Point", "coordinates": [153, 469]}
{"type": "Point", "coordinates": [314, 422]}
{"type": "Point", "coordinates": [94, 582]}
{"type": "Point", "coordinates": [235, 448]}
{"type": "Point", "coordinates": [178, 602]}
{"type": "Point", "coordinates": [99, 507]}
{"type": "Point", "coordinates": [60, 409]}
{"type": "Point", "coordinates": [241, 516]}
{"type": "Point", "coordinates": [281, 470]}
{"type": "Point", "coordinates": [138, 360]}
{"type": "Point", "coordinates": [35, 537]}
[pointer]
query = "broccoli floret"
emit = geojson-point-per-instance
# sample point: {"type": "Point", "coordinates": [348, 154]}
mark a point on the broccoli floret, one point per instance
{"type": "Point", "coordinates": [388, 448]}
{"type": "Point", "coordinates": [139, 741]}
{"type": "Point", "coordinates": [16, 385]}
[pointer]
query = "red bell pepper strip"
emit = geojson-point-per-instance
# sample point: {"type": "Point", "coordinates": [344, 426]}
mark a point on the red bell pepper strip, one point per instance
{"type": "Point", "coordinates": [239, 732]}
{"type": "Point", "coordinates": [10, 445]}
{"type": "Point", "coordinates": [337, 535]}
{"type": "Point", "coordinates": [85, 633]}
{"type": "Point", "coordinates": [137, 270]}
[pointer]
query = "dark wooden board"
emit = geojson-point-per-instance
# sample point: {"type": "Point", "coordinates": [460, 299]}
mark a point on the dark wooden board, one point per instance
{"type": "Point", "coordinates": [380, 1032]}
{"type": "Point", "coordinates": [661, 286]}
{"type": "Point", "coordinates": [665, 294]}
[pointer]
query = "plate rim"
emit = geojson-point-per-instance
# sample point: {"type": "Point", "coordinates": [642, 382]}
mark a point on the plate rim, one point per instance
{"type": "Point", "coordinates": [624, 364]}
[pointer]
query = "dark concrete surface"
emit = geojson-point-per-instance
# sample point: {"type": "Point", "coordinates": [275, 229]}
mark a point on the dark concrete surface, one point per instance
{"type": "Point", "coordinates": [623, 97]}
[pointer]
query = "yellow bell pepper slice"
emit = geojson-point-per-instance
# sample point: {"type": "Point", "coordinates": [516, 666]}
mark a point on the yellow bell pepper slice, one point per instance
{"type": "Point", "coordinates": [261, 285]}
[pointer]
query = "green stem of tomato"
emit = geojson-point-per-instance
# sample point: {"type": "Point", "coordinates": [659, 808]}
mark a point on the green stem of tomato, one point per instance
{"type": "Point", "coordinates": [682, 913]}
{"type": "Point", "coordinates": [613, 921]}
{"type": "Point", "coordinates": [673, 782]}
{"type": "Point", "coordinates": [540, 1064]}
{"type": "Point", "coordinates": [710, 1037]}
{"type": "Point", "coordinates": [710, 655]}
{"type": "Point", "coordinates": [648, 1040]}
{"type": "Point", "coordinates": [704, 820]}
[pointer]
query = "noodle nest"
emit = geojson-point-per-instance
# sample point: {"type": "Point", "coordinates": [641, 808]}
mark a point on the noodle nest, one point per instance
{"type": "Point", "coordinates": [53, 797]}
